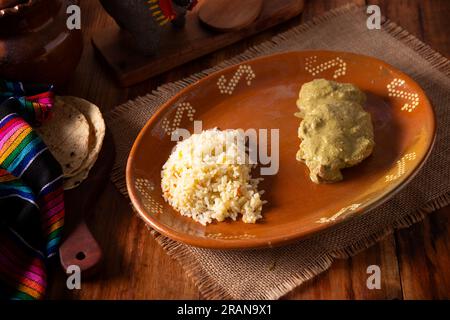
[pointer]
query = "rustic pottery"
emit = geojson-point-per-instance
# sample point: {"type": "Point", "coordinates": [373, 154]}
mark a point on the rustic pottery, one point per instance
{"type": "Point", "coordinates": [35, 43]}
{"type": "Point", "coordinates": [144, 20]}
{"type": "Point", "coordinates": [262, 94]}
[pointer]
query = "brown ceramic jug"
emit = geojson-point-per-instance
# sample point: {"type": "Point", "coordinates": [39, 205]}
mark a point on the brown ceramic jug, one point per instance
{"type": "Point", "coordinates": [35, 43]}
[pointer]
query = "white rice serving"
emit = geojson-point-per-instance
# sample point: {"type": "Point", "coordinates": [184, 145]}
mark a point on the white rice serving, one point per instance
{"type": "Point", "coordinates": [208, 177]}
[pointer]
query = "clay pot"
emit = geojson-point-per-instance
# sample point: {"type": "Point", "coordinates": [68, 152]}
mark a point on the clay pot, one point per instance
{"type": "Point", "coordinates": [35, 43]}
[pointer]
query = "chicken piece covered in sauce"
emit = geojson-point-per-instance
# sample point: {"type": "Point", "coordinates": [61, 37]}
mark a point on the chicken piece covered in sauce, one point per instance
{"type": "Point", "coordinates": [336, 132]}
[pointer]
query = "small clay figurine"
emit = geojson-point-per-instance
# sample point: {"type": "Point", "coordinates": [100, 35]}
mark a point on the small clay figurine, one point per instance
{"type": "Point", "coordinates": [144, 19]}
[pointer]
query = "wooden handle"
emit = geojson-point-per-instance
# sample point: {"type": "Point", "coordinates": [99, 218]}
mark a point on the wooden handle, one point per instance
{"type": "Point", "coordinates": [81, 249]}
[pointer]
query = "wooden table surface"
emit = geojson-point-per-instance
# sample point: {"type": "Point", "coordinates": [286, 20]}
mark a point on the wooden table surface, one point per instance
{"type": "Point", "coordinates": [414, 262]}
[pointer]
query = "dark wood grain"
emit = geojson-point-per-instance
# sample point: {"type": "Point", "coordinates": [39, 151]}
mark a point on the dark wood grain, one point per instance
{"type": "Point", "coordinates": [434, 18]}
{"type": "Point", "coordinates": [424, 258]}
{"type": "Point", "coordinates": [180, 46]}
{"type": "Point", "coordinates": [414, 262]}
{"type": "Point", "coordinates": [347, 277]}
{"type": "Point", "coordinates": [424, 249]}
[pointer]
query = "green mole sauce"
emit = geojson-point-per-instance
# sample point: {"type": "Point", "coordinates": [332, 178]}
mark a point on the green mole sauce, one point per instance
{"type": "Point", "coordinates": [336, 132]}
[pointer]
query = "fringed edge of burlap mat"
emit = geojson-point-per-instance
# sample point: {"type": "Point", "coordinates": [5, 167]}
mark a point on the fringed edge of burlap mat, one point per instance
{"type": "Point", "coordinates": [208, 286]}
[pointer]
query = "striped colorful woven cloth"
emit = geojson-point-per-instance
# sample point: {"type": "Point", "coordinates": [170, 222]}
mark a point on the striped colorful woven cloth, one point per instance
{"type": "Point", "coordinates": [31, 192]}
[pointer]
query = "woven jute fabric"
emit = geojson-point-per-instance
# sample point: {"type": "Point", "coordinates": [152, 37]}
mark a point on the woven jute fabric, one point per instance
{"type": "Point", "coordinates": [271, 273]}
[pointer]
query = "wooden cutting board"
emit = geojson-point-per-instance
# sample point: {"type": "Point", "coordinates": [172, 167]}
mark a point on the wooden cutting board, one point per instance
{"type": "Point", "coordinates": [180, 46]}
{"type": "Point", "coordinates": [79, 246]}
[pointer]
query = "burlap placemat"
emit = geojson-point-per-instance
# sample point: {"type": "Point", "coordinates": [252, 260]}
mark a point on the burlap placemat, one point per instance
{"type": "Point", "coordinates": [271, 273]}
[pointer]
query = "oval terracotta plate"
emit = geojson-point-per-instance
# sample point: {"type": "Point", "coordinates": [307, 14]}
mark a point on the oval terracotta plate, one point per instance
{"type": "Point", "coordinates": [262, 94]}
